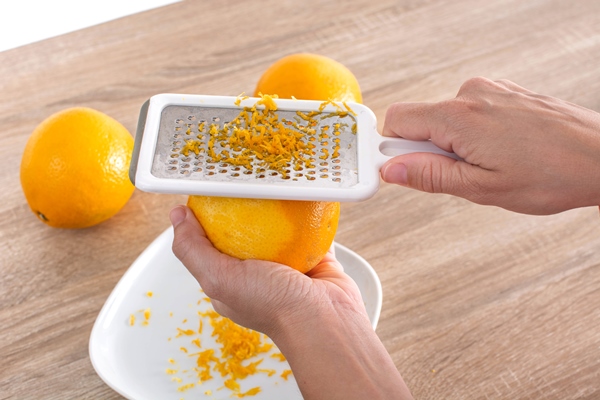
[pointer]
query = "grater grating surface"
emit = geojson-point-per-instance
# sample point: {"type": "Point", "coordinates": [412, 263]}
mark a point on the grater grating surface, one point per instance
{"type": "Point", "coordinates": [181, 124]}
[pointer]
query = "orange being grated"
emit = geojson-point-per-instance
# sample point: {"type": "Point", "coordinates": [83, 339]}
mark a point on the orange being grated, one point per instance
{"type": "Point", "coordinates": [257, 139]}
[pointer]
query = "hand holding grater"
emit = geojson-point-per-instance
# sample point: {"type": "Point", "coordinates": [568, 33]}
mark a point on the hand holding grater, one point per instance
{"type": "Point", "coordinates": [262, 148]}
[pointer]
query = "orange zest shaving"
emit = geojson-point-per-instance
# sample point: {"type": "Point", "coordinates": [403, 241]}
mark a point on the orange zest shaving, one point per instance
{"type": "Point", "coordinates": [258, 140]}
{"type": "Point", "coordinates": [185, 387]}
{"type": "Point", "coordinates": [278, 356]}
{"type": "Point", "coordinates": [286, 373]}
{"type": "Point", "coordinates": [181, 332]}
{"type": "Point", "coordinates": [147, 314]}
{"type": "Point", "coordinates": [251, 392]}
{"type": "Point", "coordinates": [240, 98]}
{"type": "Point", "coordinates": [347, 107]}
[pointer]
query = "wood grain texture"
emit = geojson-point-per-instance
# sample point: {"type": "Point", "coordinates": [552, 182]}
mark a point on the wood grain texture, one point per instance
{"type": "Point", "coordinates": [479, 303]}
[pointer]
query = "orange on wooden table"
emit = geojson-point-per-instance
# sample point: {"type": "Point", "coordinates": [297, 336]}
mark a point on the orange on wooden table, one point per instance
{"type": "Point", "coordinates": [74, 170]}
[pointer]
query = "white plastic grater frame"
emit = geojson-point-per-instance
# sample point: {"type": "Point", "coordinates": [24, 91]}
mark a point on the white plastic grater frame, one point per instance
{"type": "Point", "coordinates": [372, 149]}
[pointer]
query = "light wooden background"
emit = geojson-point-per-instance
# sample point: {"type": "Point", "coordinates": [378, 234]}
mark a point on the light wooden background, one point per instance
{"type": "Point", "coordinates": [479, 303]}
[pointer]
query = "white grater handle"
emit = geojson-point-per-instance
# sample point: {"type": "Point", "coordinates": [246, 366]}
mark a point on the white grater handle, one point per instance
{"type": "Point", "coordinates": [389, 147]}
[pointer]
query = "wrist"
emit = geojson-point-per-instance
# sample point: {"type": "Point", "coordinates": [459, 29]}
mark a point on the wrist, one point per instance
{"type": "Point", "coordinates": [336, 354]}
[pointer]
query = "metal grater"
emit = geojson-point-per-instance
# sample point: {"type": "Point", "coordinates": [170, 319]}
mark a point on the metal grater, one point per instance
{"type": "Point", "coordinates": [179, 124]}
{"type": "Point", "coordinates": [346, 169]}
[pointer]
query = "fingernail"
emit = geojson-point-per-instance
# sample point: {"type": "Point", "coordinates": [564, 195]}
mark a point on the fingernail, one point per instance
{"type": "Point", "coordinates": [177, 215]}
{"type": "Point", "coordinates": [396, 173]}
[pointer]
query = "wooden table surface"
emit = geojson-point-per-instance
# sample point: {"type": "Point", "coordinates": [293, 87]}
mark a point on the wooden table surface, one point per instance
{"type": "Point", "coordinates": [478, 302]}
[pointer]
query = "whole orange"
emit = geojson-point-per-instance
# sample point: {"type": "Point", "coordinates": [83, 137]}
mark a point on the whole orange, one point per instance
{"type": "Point", "coordinates": [74, 170]}
{"type": "Point", "coordinates": [293, 233]}
{"type": "Point", "coordinates": [308, 76]}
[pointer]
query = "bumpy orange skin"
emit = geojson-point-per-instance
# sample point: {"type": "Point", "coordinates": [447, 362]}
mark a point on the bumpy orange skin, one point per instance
{"type": "Point", "coordinates": [308, 76]}
{"type": "Point", "coordinates": [293, 233]}
{"type": "Point", "coordinates": [74, 170]}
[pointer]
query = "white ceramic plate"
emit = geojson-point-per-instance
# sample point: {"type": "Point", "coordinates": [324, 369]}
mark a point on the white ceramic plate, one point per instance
{"type": "Point", "coordinates": [133, 359]}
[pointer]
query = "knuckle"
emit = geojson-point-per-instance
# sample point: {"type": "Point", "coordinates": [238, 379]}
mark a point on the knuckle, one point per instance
{"type": "Point", "coordinates": [505, 82]}
{"type": "Point", "coordinates": [392, 109]}
{"type": "Point", "coordinates": [475, 83]}
{"type": "Point", "coordinates": [462, 112]}
{"type": "Point", "coordinates": [392, 113]}
{"type": "Point", "coordinates": [454, 109]}
{"type": "Point", "coordinates": [459, 115]}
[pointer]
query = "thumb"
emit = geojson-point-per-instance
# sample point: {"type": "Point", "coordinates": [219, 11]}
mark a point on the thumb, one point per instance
{"type": "Point", "coordinates": [187, 234]}
{"type": "Point", "coordinates": [193, 249]}
{"type": "Point", "coordinates": [432, 173]}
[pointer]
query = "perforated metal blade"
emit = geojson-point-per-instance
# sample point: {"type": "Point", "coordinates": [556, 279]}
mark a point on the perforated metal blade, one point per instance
{"type": "Point", "coordinates": [181, 124]}
{"type": "Point", "coordinates": [185, 144]}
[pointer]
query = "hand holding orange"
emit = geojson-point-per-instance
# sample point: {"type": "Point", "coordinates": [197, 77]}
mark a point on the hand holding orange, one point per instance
{"type": "Point", "coordinates": [74, 171]}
